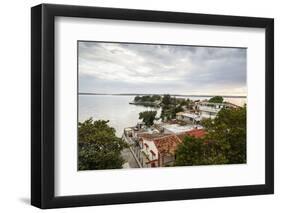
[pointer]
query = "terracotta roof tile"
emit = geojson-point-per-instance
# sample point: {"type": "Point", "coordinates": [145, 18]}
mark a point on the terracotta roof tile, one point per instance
{"type": "Point", "coordinates": [182, 135]}
{"type": "Point", "coordinates": [167, 144]}
{"type": "Point", "coordinates": [197, 133]}
{"type": "Point", "coordinates": [149, 136]}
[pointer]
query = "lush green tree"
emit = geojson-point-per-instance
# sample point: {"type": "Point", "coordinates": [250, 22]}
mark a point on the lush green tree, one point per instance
{"type": "Point", "coordinates": [189, 103]}
{"type": "Point", "coordinates": [147, 98]}
{"type": "Point", "coordinates": [165, 113]}
{"type": "Point", "coordinates": [197, 151]}
{"type": "Point", "coordinates": [169, 112]}
{"type": "Point", "coordinates": [155, 98]}
{"type": "Point", "coordinates": [224, 143]}
{"type": "Point", "coordinates": [137, 98]}
{"type": "Point", "coordinates": [229, 131]}
{"type": "Point", "coordinates": [190, 152]}
{"type": "Point", "coordinates": [178, 108]}
{"type": "Point", "coordinates": [170, 106]}
{"type": "Point", "coordinates": [166, 100]}
{"type": "Point", "coordinates": [216, 99]}
{"type": "Point", "coordinates": [148, 117]}
{"type": "Point", "coordinates": [99, 148]}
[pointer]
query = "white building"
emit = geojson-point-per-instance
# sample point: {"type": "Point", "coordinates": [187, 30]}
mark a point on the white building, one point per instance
{"type": "Point", "coordinates": [188, 117]}
{"type": "Point", "coordinates": [148, 154]}
{"type": "Point", "coordinates": [209, 110]}
{"type": "Point", "coordinates": [204, 110]}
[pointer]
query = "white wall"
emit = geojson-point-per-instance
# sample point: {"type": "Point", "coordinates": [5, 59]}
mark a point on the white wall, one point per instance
{"type": "Point", "coordinates": [15, 105]}
{"type": "Point", "coordinates": [151, 147]}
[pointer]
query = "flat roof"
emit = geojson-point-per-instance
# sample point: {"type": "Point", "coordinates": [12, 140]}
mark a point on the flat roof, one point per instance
{"type": "Point", "coordinates": [190, 115]}
{"type": "Point", "coordinates": [176, 128]}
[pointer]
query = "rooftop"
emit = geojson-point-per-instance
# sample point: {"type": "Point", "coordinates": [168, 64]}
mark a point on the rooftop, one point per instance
{"type": "Point", "coordinates": [190, 115]}
{"type": "Point", "coordinates": [167, 144]}
{"type": "Point", "coordinates": [197, 133]}
{"type": "Point", "coordinates": [176, 128]}
{"type": "Point", "coordinates": [149, 136]}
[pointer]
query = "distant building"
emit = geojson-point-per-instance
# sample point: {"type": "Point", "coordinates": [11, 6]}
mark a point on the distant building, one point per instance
{"type": "Point", "coordinates": [188, 117]}
{"type": "Point", "coordinates": [210, 110]}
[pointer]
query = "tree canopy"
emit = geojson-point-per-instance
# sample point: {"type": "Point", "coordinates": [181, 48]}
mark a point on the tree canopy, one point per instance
{"type": "Point", "coordinates": [197, 151]}
{"type": "Point", "coordinates": [216, 99]}
{"type": "Point", "coordinates": [99, 148]}
{"type": "Point", "coordinates": [148, 117]}
{"type": "Point", "coordinates": [229, 130]}
{"type": "Point", "coordinates": [147, 98]}
{"type": "Point", "coordinates": [166, 100]}
{"type": "Point", "coordinates": [224, 143]}
{"type": "Point", "coordinates": [171, 106]}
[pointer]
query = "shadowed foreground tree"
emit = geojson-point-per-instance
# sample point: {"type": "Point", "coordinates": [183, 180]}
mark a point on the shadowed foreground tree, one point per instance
{"type": "Point", "coordinates": [229, 130]}
{"type": "Point", "coordinates": [99, 148]}
{"type": "Point", "coordinates": [196, 151]}
{"type": "Point", "coordinates": [224, 143]}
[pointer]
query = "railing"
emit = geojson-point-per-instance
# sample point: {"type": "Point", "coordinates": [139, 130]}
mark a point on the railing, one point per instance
{"type": "Point", "coordinates": [130, 142]}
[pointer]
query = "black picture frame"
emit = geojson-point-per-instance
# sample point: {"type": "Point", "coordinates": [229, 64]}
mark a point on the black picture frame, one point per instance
{"type": "Point", "coordinates": [43, 105]}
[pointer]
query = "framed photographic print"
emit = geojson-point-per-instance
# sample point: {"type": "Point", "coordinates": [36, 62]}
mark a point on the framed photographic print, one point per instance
{"type": "Point", "coordinates": [139, 106]}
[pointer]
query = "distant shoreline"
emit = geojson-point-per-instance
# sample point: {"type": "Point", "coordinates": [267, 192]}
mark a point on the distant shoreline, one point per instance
{"type": "Point", "coordinates": [177, 95]}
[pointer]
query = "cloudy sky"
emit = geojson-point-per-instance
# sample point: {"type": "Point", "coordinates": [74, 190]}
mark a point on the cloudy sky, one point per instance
{"type": "Point", "coordinates": [143, 68]}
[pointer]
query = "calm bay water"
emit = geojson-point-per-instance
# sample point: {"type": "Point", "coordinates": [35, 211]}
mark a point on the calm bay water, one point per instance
{"type": "Point", "coordinates": [118, 111]}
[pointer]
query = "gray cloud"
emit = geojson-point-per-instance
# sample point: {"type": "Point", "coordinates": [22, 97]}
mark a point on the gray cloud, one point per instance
{"type": "Point", "coordinates": [143, 68]}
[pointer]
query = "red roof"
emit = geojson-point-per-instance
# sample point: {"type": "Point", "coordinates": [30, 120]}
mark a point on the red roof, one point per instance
{"type": "Point", "coordinates": [149, 136]}
{"type": "Point", "coordinates": [167, 144]}
{"type": "Point", "coordinates": [197, 133]}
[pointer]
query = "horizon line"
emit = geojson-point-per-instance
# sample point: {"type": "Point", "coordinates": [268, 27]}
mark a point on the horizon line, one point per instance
{"type": "Point", "coordinates": [179, 95]}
